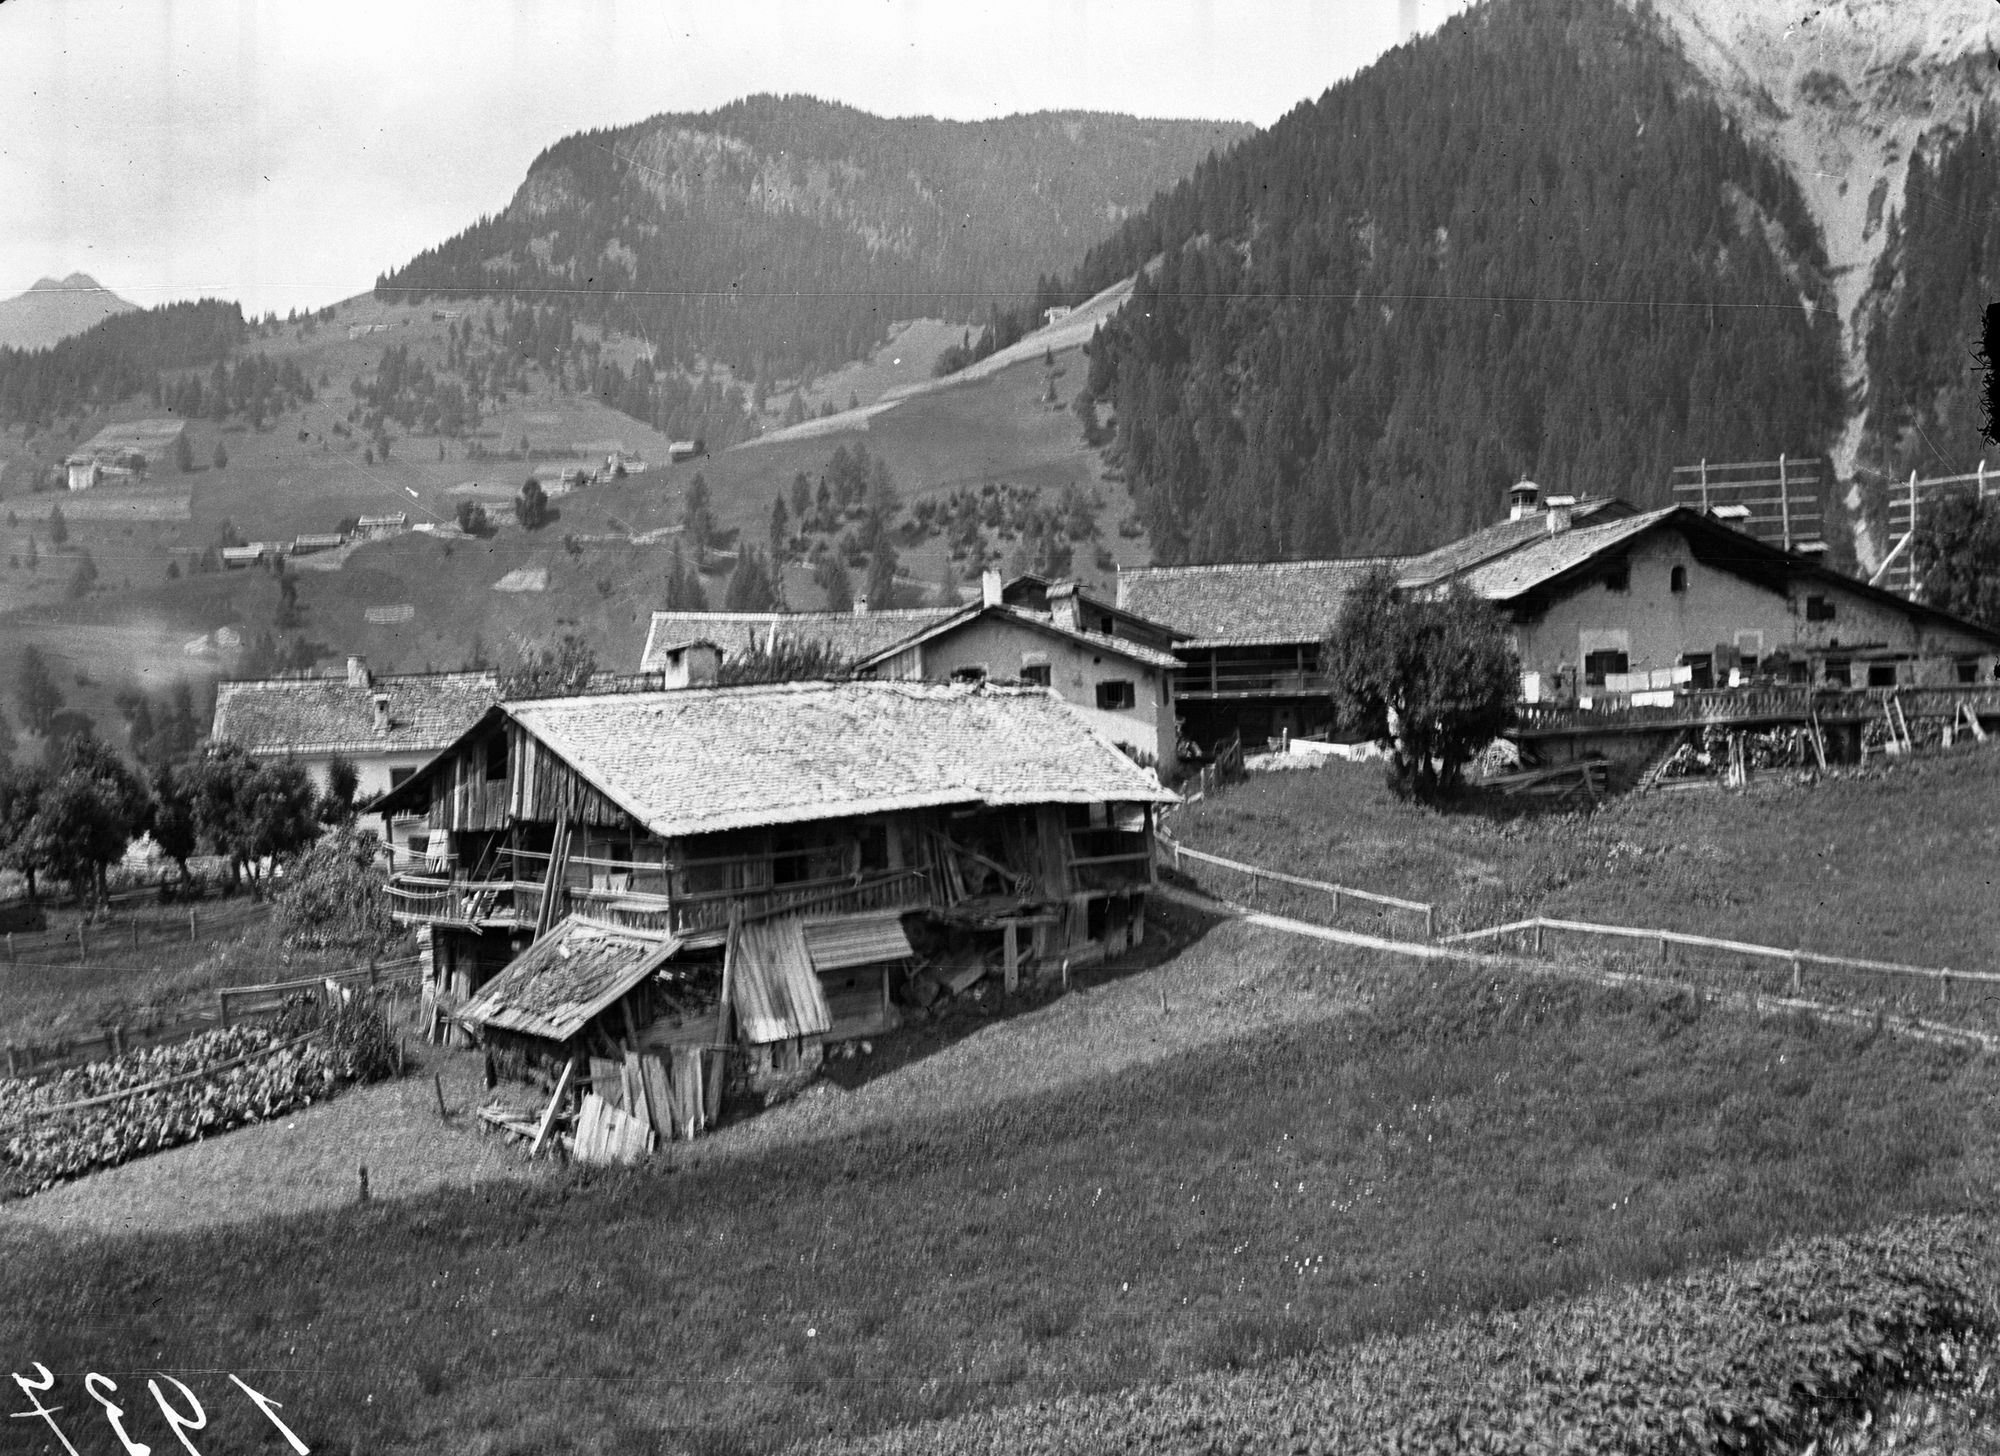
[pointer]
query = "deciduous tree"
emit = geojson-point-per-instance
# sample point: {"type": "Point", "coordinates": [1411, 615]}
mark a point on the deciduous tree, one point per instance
{"type": "Point", "coordinates": [1434, 676]}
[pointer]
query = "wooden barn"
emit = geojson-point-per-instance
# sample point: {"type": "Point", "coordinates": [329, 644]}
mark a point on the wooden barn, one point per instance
{"type": "Point", "coordinates": [760, 871]}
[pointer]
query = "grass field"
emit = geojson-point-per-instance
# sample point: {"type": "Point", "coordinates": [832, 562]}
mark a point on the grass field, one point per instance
{"type": "Point", "coordinates": [1452, 1145]}
{"type": "Point", "coordinates": [1895, 864]}
{"type": "Point", "coordinates": [140, 966]}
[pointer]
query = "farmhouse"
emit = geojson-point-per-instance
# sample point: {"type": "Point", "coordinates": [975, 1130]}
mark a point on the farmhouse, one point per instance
{"type": "Point", "coordinates": [376, 527]}
{"type": "Point", "coordinates": [1602, 600]}
{"type": "Point", "coordinates": [121, 454]}
{"type": "Point", "coordinates": [1121, 687]}
{"type": "Point", "coordinates": [387, 726]}
{"type": "Point", "coordinates": [765, 862]}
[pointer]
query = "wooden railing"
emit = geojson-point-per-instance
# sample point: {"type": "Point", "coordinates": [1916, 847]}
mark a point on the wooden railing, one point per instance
{"type": "Point", "coordinates": [1175, 853]}
{"type": "Point", "coordinates": [1200, 680]}
{"type": "Point", "coordinates": [1535, 934]}
{"type": "Point", "coordinates": [1774, 704]}
{"type": "Point", "coordinates": [416, 900]}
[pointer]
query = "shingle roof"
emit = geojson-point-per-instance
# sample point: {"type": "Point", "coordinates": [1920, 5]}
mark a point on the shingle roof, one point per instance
{"type": "Point", "coordinates": [1547, 557]}
{"type": "Point", "coordinates": [1034, 622]}
{"type": "Point", "coordinates": [1499, 538]}
{"type": "Point", "coordinates": [852, 635]}
{"type": "Point", "coordinates": [313, 715]}
{"type": "Point", "coordinates": [1246, 605]}
{"type": "Point", "coordinates": [1276, 602]}
{"type": "Point", "coordinates": [580, 968]}
{"type": "Point", "coordinates": [702, 760]}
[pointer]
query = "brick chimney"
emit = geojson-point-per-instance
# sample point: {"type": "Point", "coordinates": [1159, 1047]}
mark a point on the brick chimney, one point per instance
{"type": "Point", "coordinates": [1560, 507]}
{"type": "Point", "coordinates": [1064, 604]}
{"type": "Point", "coordinates": [1524, 498]}
{"type": "Point", "coordinates": [991, 589]}
{"type": "Point", "coordinates": [357, 672]}
{"type": "Point", "coordinates": [861, 604]}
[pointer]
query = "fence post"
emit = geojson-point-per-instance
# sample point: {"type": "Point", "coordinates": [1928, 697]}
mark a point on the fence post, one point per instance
{"type": "Point", "coordinates": [1798, 977]}
{"type": "Point", "coordinates": [190, 925]}
{"type": "Point", "coordinates": [1336, 899]}
{"type": "Point", "coordinates": [1663, 950]}
{"type": "Point", "coordinates": [1944, 985]}
{"type": "Point", "coordinates": [82, 943]}
{"type": "Point", "coordinates": [1430, 923]}
{"type": "Point", "coordinates": [222, 1007]}
{"type": "Point", "coordinates": [10, 1061]}
{"type": "Point", "coordinates": [1538, 936]}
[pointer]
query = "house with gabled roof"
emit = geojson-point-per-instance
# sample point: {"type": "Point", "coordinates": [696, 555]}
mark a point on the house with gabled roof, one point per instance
{"type": "Point", "coordinates": [772, 833]}
{"type": "Point", "coordinates": [1599, 596]}
{"type": "Point", "coordinates": [1122, 687]}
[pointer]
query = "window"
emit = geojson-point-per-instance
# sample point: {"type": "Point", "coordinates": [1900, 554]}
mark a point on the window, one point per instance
{"type": "Point", "coordinates": [1677, 579]}
{"type": "Point", "coordinates": [1597, 664]}
{"type": "Point", "coordinates": [1701, 666]}
{"type": "Point", "coordinates": [1838, 673]}
{"type": "Point", "coordinates": [1618, 578]}
{"type": "Point", "coordinates": [1036, 674]}
{"type": "Point", "coordinates": [496, 756]}
{"type": "Point", "coordinates": [971, 673]}
{"type": "Point", "coordinates": [1819, 609]}
{"type": "Point", "coordinates": [398, 775]}
{"type": "Point", "coordinates": [1881, 674]}
{"type": "Point", "coordinates": [1111, 696]}
{"type": "Point", "coordinates": [1968, 669]}
{"type": "Point", "coordinates": [1749, 649]}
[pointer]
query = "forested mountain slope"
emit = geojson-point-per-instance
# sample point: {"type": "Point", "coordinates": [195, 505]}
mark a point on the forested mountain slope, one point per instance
{"type": "Point", "coordinates": [781, 234]}
{"type": "Point", "coordinates": [1937, 275]}
{"type": "Point", "coordinates": [1529, 244]}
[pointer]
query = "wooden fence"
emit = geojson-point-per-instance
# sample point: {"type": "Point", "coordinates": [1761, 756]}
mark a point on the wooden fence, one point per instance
{"type": "Point", "coordinates": [1536, 931]}
{"type": "Point", "coordinates": [233, 1004]}
{"type": "Point", "coordinates": [1175, 853]}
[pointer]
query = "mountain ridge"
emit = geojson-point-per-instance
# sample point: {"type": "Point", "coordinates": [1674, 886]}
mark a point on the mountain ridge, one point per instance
{"type": "Point", "coordinates": [783, 234]}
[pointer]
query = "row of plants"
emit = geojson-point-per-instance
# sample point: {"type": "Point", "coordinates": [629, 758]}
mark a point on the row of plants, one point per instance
{"type": "Point", "coordinates": [1806, 1345]}
{"type": "Point", "coordinates": [354, 1045]}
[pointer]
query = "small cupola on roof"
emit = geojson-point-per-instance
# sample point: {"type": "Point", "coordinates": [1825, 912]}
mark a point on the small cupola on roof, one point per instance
{"type": "Point", "coordinates": [1524, 498]}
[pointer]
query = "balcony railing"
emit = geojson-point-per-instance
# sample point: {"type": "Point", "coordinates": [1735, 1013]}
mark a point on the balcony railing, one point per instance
{"type": "Point", "coordinates": [1772, 704]}
{"type": "Point", "coordinates": [1249, 680]}
{"type": "Point", "coordinates": [504, 904]}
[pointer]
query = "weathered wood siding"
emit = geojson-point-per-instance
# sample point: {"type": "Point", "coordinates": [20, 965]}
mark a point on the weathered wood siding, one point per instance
{"type": "Point", "coordinates": [542, 787]}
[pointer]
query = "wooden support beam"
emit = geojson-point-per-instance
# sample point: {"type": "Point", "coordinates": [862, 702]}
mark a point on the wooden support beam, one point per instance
{"type": "Point", "coordinates": [555, 1106]}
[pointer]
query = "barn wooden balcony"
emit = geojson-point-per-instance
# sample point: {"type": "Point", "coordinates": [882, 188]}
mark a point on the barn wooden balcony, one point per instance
{"type": "Point", "coordinates": [466, 903]}
{"type": "Point", "coordinates": [1219, 677]}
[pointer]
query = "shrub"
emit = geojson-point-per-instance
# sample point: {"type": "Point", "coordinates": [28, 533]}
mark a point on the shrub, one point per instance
{"type": "Point", "coordinates": [333, 894]}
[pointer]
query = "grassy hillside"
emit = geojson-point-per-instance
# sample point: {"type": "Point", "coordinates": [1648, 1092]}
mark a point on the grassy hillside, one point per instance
{"type": "Point", "coordinates": [298, 474]}
{"type": "Point", "coordinates": [1896, 864]}
{"type": "Point", "coordinates": [1456, 1146]}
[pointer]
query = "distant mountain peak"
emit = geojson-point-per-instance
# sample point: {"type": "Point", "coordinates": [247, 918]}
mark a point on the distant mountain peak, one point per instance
{"type": "Point", "coordinates": [55, 308]}
{"type": "Point", "coordinates": [75, 283]}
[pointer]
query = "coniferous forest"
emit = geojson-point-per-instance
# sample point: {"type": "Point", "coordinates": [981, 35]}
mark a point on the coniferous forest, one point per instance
{"type": "Point", "coordinates": [1937, 275]}
{"type": "Point", "coordinates": [782, 233]}
{"type": "Point", "coordinates": [1526, 246]}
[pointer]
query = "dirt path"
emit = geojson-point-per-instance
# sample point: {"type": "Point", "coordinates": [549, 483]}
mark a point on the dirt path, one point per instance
{"type": "Point", "coordinates": [310, 1160]}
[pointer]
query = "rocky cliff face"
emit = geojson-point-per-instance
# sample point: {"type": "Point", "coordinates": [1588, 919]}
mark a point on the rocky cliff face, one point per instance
{"type": "Point", "coordinates": [1844, 94]}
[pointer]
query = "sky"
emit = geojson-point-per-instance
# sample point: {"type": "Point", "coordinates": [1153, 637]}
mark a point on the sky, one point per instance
{"type": "Point", "coordinates": [285, 153]}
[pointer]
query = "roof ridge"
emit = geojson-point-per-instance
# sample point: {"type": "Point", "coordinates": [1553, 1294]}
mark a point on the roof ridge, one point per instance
{"type": "Point", "coordinates": [1210, 566]}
